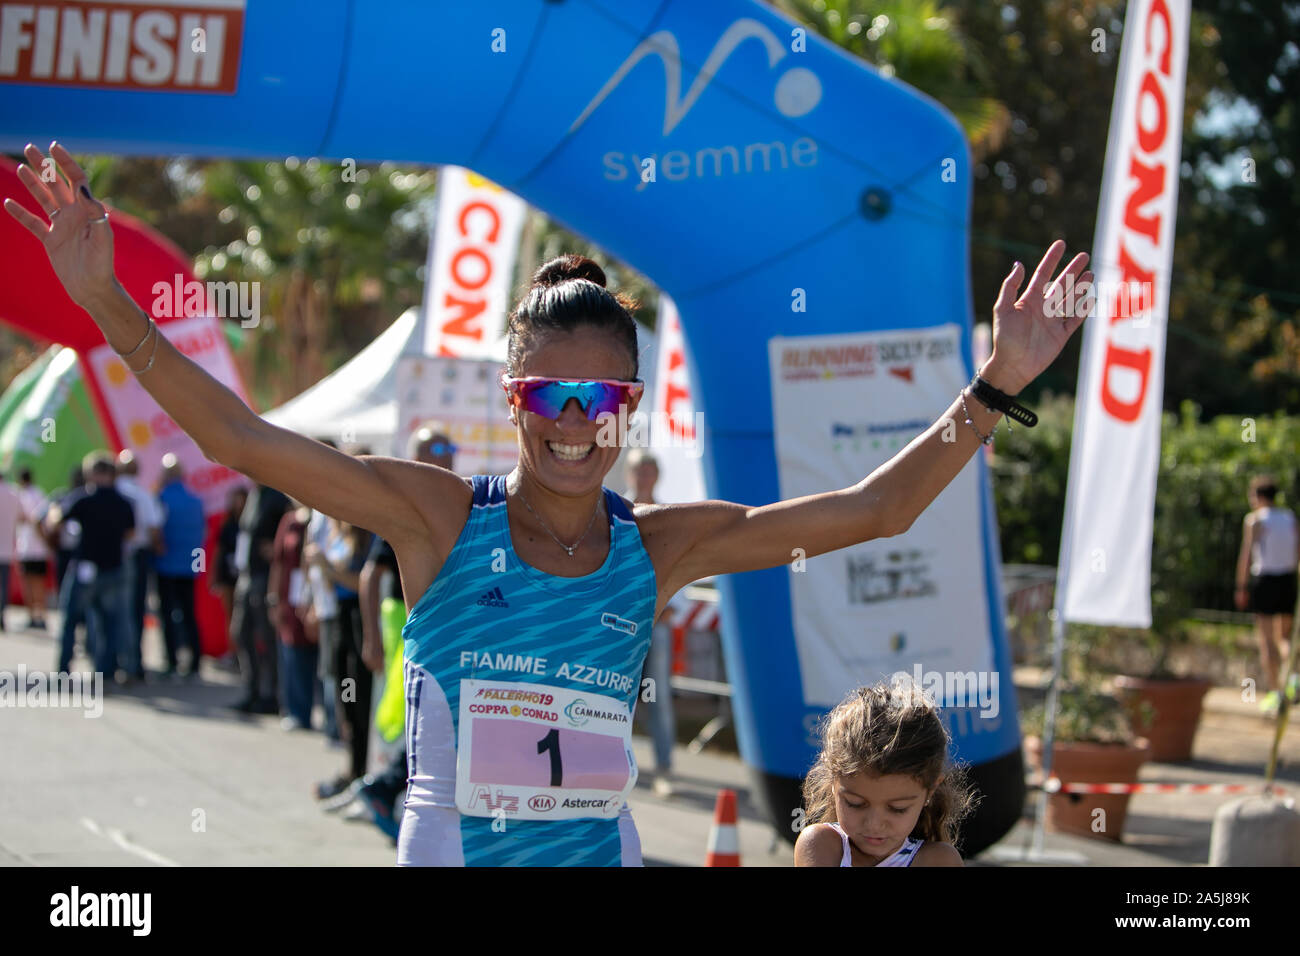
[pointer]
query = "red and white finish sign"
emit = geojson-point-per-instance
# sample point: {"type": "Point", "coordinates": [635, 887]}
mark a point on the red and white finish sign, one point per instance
{"type": "Point", "coordinates": [149, 431]}
{"type": "Point", "coordinates": [183, 45]}
{"type": "Point", "coordinates": [471, 266]}
{"type": "Point", "coordinates": [1105, 563]}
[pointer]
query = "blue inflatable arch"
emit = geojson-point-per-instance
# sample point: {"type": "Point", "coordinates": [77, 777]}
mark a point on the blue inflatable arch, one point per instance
{"type": "Point", "coordinates": [781, 163]}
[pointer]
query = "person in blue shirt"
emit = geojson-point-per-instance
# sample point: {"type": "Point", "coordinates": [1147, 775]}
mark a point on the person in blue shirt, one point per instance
{"type": "Point", "coordinates": [176, 565]}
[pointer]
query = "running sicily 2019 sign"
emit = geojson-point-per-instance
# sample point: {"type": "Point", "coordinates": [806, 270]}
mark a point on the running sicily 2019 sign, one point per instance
{"type": "Point", "coordinates": [842, 406]}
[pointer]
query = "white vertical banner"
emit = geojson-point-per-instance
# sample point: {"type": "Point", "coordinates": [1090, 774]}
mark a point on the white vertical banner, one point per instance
{"type": "Point", "coordinates": [674, 426]}
{"type": "Point", "coordinates": [466, 398]}
{"type": "Point", "coordinates": [1104, 572]}
{"type": "Point", "coordinates": [842, 406]}
{"type": "Point", "coordinates": [472, 251]}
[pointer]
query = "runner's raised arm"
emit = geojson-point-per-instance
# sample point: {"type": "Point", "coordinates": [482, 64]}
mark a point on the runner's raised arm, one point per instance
{"type": "Point", "coordinates": [373, 492]}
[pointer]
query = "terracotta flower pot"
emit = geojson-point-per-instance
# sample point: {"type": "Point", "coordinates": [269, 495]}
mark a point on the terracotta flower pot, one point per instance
{"type": "Point", "coordinates": [1176, 706]}
{"type": "Point", "coordinates": [1089, 763]}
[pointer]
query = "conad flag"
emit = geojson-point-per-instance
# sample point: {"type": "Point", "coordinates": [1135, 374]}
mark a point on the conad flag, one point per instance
{"type": "Point", "coordinates": [674, 427]}
{"type": "Point", "coordinates": [471, 265]}
{"type": "Point", "coordinates": [1104, 573]}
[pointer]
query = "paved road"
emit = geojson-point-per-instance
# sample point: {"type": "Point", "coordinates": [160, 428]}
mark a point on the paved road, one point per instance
{"type": "Point", "coordinates": [166, 775]}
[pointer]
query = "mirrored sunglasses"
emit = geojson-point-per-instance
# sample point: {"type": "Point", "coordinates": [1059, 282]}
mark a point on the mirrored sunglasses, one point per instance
{"type": "Point", "coordinates": [548, 396]}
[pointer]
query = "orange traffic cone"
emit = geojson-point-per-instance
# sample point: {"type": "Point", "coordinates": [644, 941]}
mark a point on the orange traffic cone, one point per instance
{"type": "Point", "coordinates": [724, 838]}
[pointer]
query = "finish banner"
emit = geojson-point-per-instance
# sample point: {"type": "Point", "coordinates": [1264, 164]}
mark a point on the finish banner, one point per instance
{"type": "Point", "coordinates": [842, 406]}
{"type": "Point", "coordinates": [1105, 565]}
{"type": "Point", "coordinates": [190, 47]}
{"type": "Point", "coordinates": [471, 266]}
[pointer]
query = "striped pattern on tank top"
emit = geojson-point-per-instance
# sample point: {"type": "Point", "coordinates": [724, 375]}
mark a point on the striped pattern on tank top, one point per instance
{"type": "Point", "coordinates": [488, 615]}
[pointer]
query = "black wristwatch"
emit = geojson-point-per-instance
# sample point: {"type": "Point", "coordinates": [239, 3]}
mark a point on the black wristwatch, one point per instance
{"type": "Point", "coordinates": [999, 401]}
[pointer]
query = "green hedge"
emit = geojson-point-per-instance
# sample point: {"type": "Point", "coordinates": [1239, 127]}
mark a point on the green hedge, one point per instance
{"type": "Point", "coordinates": [1205, 468]}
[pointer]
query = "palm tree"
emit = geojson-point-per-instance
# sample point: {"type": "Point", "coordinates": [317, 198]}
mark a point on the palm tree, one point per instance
{"type": "Point", "coordinates": [337, 248]}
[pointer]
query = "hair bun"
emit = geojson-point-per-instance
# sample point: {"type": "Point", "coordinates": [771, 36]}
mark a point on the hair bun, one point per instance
{"type": "Point", "coordinates": [568, 267]}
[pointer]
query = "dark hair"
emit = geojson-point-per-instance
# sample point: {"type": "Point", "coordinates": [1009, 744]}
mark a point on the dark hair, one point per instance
{"type": "Point", "coordinates": [891, 728]}
{"type": "Point", "coordinates": [566, 293]}
{"type": "Point", "coordinates": [1264, 487]}
{"type": "Point", "coordinates": [25, 476]}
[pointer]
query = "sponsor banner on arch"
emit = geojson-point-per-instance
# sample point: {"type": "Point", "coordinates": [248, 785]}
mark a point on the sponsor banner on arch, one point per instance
{"type": "Point", "coordinates": [471, 266]}
{"type": "Point", "coordinates": [842, 406]}
{"type": "Point", "coordinates": [190, 46]}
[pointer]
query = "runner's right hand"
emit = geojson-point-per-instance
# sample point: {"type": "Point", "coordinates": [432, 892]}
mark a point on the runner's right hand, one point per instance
{"type": "Point", "coordinates": [80, 247]}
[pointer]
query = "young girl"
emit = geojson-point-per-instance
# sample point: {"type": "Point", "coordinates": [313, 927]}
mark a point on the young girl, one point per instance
{"type": "Point", "coordinates": [882, 792]}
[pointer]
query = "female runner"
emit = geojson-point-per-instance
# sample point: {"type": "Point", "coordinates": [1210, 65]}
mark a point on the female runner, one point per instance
{"type": "Point", "coordinates": [532, 596]}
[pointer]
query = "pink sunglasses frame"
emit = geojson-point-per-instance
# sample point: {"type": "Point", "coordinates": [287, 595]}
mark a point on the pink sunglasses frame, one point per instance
{"type": "Point", "coordinates": [636, 388]}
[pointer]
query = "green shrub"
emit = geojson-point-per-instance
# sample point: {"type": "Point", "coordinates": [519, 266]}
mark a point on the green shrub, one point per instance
{"type": "Point", "coordinates": [1200, 497]}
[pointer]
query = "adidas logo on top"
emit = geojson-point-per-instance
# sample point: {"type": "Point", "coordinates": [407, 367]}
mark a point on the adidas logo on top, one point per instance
{"type": "Point", "coordinates": [493, 598]}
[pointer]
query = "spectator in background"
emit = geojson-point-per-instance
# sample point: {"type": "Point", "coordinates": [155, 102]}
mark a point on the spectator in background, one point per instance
{"type": "Point", "coordinates": [33, 553]}
{"type": "Point", "coordinates": [65, 541]}
{"type": "Point", "coordinates": [376, 795]}
{"type": "Point", "coordinates": [340, 561]}
{"type": "Point", "coordinates": [323, 606]}
{"type": "Point", "coordinates": [642, 474]}
{"type": "Point", "coordinates": [287, 600]}
{"type": "Point", "coordinates": [9, 508]}
{"type": "Point", "coordinates": [250, 627]}
{"type": "Point", "coordinates": [140, 550]}
{"type": "Point", "coordinates": [1270, 550]}
{"type": "Point", "coordinates": [181, 541]}
{"type": "Point", "coordinates": [95, 584]}
{"type": "Point", "coordinates": [224, 572]}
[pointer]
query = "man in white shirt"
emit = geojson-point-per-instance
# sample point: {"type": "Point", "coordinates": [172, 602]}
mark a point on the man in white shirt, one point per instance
{"type": "Point", "coordinates": [33, 552]}
{"type": "Point", "coordinates": [140, 549]}
{"type": "Point", "coordinates": [8, 533]}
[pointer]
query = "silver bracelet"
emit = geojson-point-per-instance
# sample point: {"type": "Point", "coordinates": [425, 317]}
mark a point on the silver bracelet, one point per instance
{"type": "Point", "coordinates": [984, 439]}
{"type": "Point", "coordinates": [147, 330]}
{"type": "Point", "coordinates": [152, 352]}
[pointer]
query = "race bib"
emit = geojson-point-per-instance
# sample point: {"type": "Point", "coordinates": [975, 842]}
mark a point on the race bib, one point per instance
{"type": "Point", "coordinates": [536, 752]}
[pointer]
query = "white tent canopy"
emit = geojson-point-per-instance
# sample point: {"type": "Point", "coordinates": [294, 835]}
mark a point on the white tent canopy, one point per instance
{"type": "Point", "coordinates": [357, 403]}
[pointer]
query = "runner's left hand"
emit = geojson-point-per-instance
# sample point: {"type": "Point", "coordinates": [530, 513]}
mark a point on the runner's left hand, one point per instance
{"type": "Point", "coordinates": [1030, 331]}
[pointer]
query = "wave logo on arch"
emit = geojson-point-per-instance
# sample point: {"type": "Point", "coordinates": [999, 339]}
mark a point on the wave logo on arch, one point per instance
{"type": "Point", "coordinates": [797, 92]}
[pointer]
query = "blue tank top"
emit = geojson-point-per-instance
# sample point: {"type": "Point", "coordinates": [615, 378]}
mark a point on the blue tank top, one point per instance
{"type": "Point", "coordinates": [489, 616]}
